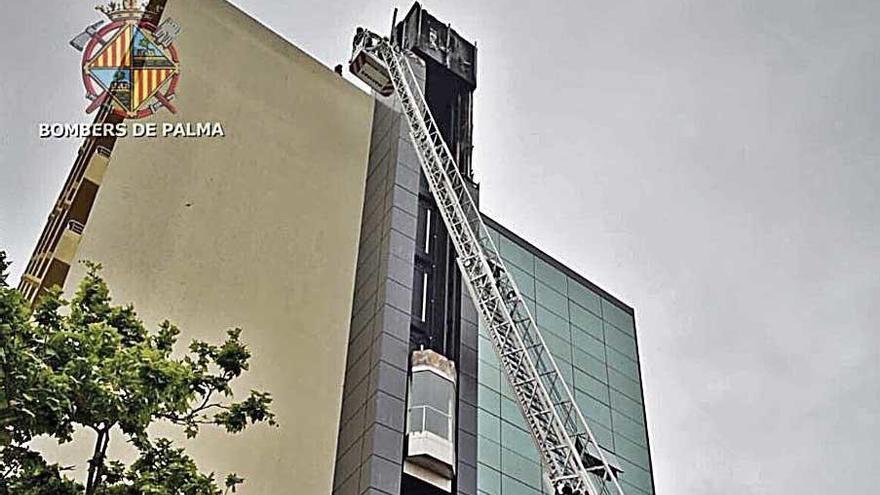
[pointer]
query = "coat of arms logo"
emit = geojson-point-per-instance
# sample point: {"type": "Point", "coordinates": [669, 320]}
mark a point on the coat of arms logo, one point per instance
{"type": "Point", "coordinates": [130, 65]}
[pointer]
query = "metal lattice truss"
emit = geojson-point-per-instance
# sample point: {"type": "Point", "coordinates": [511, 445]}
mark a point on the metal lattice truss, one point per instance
{"type": "Point", "coordinates": [570, 453]}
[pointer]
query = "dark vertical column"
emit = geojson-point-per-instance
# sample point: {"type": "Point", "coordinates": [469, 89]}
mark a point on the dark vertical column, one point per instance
{"type": "Point", "coordinates": [444, 318]}
{"type": "Point", "coordinates": [369, 455]}
{"type": "Point", "coordinates": [466, 468]}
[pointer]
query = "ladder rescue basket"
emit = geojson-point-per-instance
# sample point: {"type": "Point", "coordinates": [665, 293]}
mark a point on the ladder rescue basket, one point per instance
{"type": "Point", "coordinates": [368, 68]}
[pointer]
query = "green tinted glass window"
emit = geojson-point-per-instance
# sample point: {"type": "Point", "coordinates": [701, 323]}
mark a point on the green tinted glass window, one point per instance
{"type": "Point", "coordinates": [590, 364]}
{"type": "Point", "coordinates": [627, 406]}
{"type": "Point", "coordinates": [590, 385]}
{"type": "Point", "coordinates": [511, 413]}
{"type": "Point", "coordinates": [635, 475]}
{"type": "Point", "coordinates": [559, 348]}
{"type": "Point", "coordinates": [512, 253]}
{"type": "Point", "coordinates": [552, 300]}
{"type": "Point", "coordinates": [511, 486]}
{"type": "Point", "coordinates": [550, 276]}
{"type": "Point", "coordinates": [489, 376]}
{"type": "Point", "coordinates": [617, 317]}
{"type": "Point", "coordinates": [577, 323]}
{"type": "Point", "coordinates": [549, 321]}
{"type": "Point", "coordinates": [584, 297]}
{"type": "Point", "coordinates": [518, 440]}
{"type": "Point", "coordinates": [524, 281]}
{"type": "Point", "coordinates": [489, 400]}
{"type": "Point", "coordinates": [496, 237]}
{"type": "Point", "coordinates": [486, 352]}
{"type": "Point", "coordinates": [586, 342]}
{"type": "Point", "coordinates": [602, 433]}
{"type": "Point", "coordinates": [630, 489]}
{"type": "Point", "coordinates": [533, 309]}
{"type": "Point", "coordinates": [565, 369]}
{"type": "Point", "coordinates": [629, 428]}
{"type": "Point", "coordinates": [506, 391]}
{"type": "Point", "coordinates": [488, 425]}
{"type": "Point", "coordinates": [623, 364]}
{"type": "Point", "coordinates": [523, 469]}
{"type": "Point", "coordinates": [632, 452]}
{"type": "Point", "coordinates": [624, 343]}
{"type": "Point", "coordinates": [489, 452]}
{"type": "Point", "coordinates": [488, 480]}
{"type": "Point", "coordinates": [593, 410]}
{"type": "Point", "coordinates": [622, 383]}
{"type": "Point", "coordinates": [586, 321]}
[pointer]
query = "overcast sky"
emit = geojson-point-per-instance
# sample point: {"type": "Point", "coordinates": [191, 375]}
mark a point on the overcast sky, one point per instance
{"type": "Point", "coordinates": [712, 163]}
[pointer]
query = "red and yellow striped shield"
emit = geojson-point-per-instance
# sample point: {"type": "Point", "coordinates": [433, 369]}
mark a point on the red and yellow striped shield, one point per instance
{"type": "Point", "coordinates": [146, 83]}
{"type": "Point", "coordinates": [117, 53]}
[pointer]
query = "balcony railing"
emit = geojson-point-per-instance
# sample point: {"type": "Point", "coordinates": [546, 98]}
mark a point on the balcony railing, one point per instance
{"type": "Point", "coordinates": [76, 227]}
{"type": "Point", "coordinates": [426, 418]}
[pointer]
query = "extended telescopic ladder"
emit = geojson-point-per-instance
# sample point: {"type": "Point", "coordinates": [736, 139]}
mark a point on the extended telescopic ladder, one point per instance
{"type": "Point", "coordinates": [570, 453]}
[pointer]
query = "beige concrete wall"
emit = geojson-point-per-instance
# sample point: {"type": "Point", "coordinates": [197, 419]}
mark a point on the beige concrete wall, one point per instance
{"type": "Point", "coordinates": [258, 230]}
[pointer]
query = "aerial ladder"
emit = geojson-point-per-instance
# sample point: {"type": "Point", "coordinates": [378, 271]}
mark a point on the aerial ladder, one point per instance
{"type": "Point", "coordinates": [572, 458]}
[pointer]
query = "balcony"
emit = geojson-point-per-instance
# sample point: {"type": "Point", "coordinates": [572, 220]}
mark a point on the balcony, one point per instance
{"type": "Point", "coordinates": [431, 420]}
{"type": "Point", "coordinates": [69, 243]}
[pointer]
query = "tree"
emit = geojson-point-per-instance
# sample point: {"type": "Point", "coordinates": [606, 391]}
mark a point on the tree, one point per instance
{"type": "Point", "coordinates": [87, 364]}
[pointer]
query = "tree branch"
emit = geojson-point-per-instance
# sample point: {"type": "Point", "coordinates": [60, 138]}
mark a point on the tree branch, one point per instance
{"type": "Point", "coordinates": [93, 462]}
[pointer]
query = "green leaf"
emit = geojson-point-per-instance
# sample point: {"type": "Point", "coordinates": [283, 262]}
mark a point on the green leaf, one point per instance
{"type": "Point", "coordinates": [87, 364]}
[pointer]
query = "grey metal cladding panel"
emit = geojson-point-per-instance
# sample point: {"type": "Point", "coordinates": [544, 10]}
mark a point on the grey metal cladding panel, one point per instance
{"type": "Point", "coordinates": [405, 200]}
{"type": "Point", "coordinates": [375, 491]}
{"type": "Point", "coordinates": [379, 170]}
{"type": "Point", "coordinates": [400, 270]}
{"type": "Point", "coordinates": [354, 398]}
{"type": "Point", "coordinates": [360, 365]}
{"type": "Point", "coordinates": [389, 411]}
{"type": "Point", "coordinates": [351, 431]}
{"type": "Point", "coordinates": [381, 142]}
{"type": "Point", "coordinates": [403, 222]}
{"type": "Point", "coordinates": [367, 253]}
{"type": "Point", "coordinates": [374, 207]}
{"type": "Point", "coordinates": [389, 379]}
{"type": "Point", "coordinates": [401, 246]}
{"type": "Point", "coordinates": [374, 219]}
{"type": "Point", "coordinates": [467, 390]}
{"type": "Point", "coordinates": [382, 129]}
{"type": "Point", "coordinates": [381, 474]}
{"type": "Point", "coordinates": [467, 448]}
{"type": "Point", "coordinates": [359, 321]}
{"type": "Point", "coordinates": [469, 311]}
{"type": "Point", "coordinates": [467, 361]}
{"type": "Point", "coordinates": [392, 350]}
{"type": "Point", "coordinates": [365, 272]}
{"type": "Point", "coordinates": [467, 418]}
{"type": "Point", "coordinates": [397, 295]}
{"type": "Point", "coordinates": [373, 200]}
{"type": "Point", "coordinates": [348, 464]}
{"type": "Point", "coordinates": [406, 154]}
{"type": "Point", "coordinates": [408, 179]}
{"type": "Point", "coordinates": [383, 442]}
{"type": "Point", "coordinates": [349, 487]}
{"type": "Point", "coordinates": [396, 322]}
{"type": "Point", "coordinates": [467, 479]}
{"type": "Point", "coordinates": [384, 115]}
{"type": "Point", "coordinates": [386, 141]}
{"type": "Point", "coordinates": [366, 260]}
{"type": "Point", "coordinates": [365, 294]}
{"type": "Point", "coordinates": [469, 334]}
{"type": "Point", "coordinates": [365, 298]}
{"type": "Point", "coordinates": [373, 409]}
